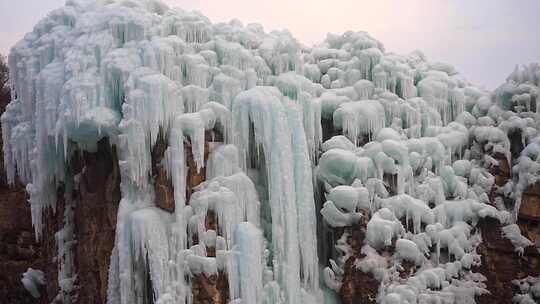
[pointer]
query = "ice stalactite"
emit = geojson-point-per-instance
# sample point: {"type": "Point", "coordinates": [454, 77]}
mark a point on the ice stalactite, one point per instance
{"type": "Point", "coordinates": [250, 261]}
{"type": "Point", "coordinates": [65, 241]}
{"type": "Point", "coordinates": [290, 193]}
{"type": "Point", "coordinates": [32, 280]}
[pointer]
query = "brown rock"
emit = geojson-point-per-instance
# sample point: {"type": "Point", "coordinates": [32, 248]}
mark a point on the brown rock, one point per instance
{"type": "Point", "coordinates": [357, 287]}
{"type": "Point", "coordinates": [95, 221]}
{"type": "Point", "coordinates": [530, 203]}
{"type": "Point", "coordinates": [501, 265]}
{"type": "Point", "coordinates": [18, 248]}
{"type": "Point", "coordinates": [162, 184]}
{"type": "Point", "coordinates": [195, 177]}
{"type": "Point", "coordinates": [164, 191]}
{"type": "Point", "coordinates": [210, 290]}
{"type": "Point", "coordinates": [529, 214]}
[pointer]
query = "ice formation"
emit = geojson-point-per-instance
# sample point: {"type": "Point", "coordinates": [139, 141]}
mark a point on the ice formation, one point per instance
{"type": "Point", "coordinates": [410, 158]}
{"type": "Point", "coordinates": [528, 290]}
{"type": "Point", "coordinates": [33, 280]}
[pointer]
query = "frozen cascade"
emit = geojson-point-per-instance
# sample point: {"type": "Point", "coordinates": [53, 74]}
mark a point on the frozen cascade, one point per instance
{"type": "Point", "coordinates": [283, 135]}
{"type": "Point", "coordinates": [250, 262]}
{"type": "Point", "coordinates": [278, 136]}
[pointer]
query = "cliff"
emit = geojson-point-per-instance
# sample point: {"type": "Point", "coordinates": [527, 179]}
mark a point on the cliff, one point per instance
{"type": "Point", "coordinates": [152, 156]}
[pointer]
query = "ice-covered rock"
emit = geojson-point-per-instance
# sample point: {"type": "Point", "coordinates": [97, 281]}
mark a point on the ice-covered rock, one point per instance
{"type": "Point", "coordinates": [410, 149]}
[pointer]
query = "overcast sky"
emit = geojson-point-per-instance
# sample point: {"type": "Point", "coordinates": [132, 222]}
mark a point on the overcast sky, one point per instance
{"type": "Point", "coordinates": [484, 39]}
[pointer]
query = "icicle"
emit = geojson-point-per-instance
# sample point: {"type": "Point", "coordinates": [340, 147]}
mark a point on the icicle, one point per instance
{"type": "Point", "coordinates": [262, 107]}
{"type": "Point", "coordinates": [250, 262]}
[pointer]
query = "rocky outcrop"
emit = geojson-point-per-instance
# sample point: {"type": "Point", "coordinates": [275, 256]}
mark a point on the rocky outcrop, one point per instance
{"type": "Point", "coordinates": [95, 212]}
{"type": "Point", "coordinates": [95, 221]}
{"type": "Point", "coordinates": [212, 289]}
{"type": "Point", "coordinates": [357, 287]}
{"type": "Point", "coordinates": [162, 184]}
{"type": "Point", "coordinates": [501, 264]}
{"type": "Point", "coordinates": [97, 195]}
{"type": "Point", "coordinates": [529, 214]}
{"type": "Point", "coordinates": [18, 247]}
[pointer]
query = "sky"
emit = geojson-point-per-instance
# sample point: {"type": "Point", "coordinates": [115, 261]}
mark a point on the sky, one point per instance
{"type": "Point", "coordinates": [484, 39]}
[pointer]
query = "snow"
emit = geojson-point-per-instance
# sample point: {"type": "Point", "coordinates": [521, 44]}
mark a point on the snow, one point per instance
{"type": "Point", "coordinates": [335, 218]}
{"type": "Point", "coordinates": [410, 208]}
{"type": "Point", "coordinates": [408, 251]}
{"type": "Point", "coordinates": [463, 211]}
{"type": "Point", "coordinates": [349, 198]}
{"type": "Point", "coordinates": [513, 233]}
{"type": "Point", "coordinates": [342, 167]}
{"type": "Point", "coordinates": [338, 142]}
{"type": "Point", "coordinates": [382, 228]}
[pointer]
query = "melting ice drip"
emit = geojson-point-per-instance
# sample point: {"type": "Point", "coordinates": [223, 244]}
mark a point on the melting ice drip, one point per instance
{"type": "Point", "coordinates": [128, 70]}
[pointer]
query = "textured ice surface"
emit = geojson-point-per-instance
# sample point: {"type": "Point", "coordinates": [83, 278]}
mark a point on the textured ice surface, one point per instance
{"type": "Point", "coordinates": [513, 233]}
{"type": "Point", "coordinates": [528, 290]}
{"type": "Point", "coordinates": [32, 281]}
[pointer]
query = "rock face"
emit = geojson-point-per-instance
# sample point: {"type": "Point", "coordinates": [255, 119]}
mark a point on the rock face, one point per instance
{"type": "Point", "coordinates": [53, 222]}
{"type": "Point", "coordinates": [210, 290]}
{"type": "Point", "coordinates": [97, 198]}
{"type": "Point", "coordinates": [500, 262]}
{"type": "Point", "coordinates": [501, 265]}
{"type": "Point", "coordinates": [18, 248]}
{"type": "Point", "coordinates": [162, 184]}
{"type": "Point", "coordinates": [529, 214]}
{"type": "Point", "coordinates": [95, 221]}
{"type": "Point", "coordinates": [358, 286]}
